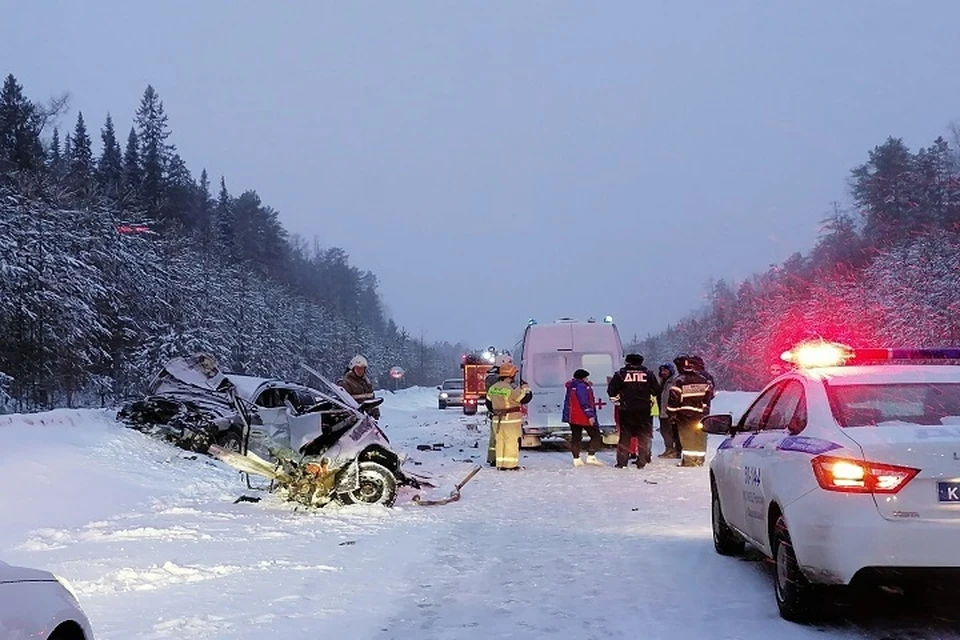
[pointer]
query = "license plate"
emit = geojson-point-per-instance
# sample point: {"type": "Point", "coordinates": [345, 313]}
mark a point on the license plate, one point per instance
{"type": "Point", "coordinates": [949, 491]}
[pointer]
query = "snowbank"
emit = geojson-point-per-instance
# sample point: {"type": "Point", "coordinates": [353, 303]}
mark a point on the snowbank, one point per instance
{"type": "Point", "coordinates": [156, 547]}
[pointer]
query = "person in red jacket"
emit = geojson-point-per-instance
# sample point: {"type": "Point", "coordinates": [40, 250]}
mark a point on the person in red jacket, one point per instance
{"type": "Point", "coordinates": [579, 411]}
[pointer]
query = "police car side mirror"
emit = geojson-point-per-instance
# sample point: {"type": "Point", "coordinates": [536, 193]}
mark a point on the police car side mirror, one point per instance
{"type": "Point", "coordinates": [720, 424]}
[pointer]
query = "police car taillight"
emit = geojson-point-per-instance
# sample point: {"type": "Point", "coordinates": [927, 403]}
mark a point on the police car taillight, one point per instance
{"type": "Point", "coordinates": [855, 476]}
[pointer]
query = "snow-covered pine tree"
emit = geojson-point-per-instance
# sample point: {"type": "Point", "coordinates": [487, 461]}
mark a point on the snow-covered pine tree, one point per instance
{"type": "Point", "coordinates": [80, 166]}
{"type": "Point", "coordinates": [132, 172]}
{"type": "Point", "coordinates": [155, 153]}
{"type": "Point", "coordinates": [110, 164]}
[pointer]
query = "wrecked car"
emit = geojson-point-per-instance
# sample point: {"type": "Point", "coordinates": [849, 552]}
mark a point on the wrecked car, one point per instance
{"type": "Point", "coordinates": [333, 451]}
{"type": "Point", "coordinates": [189, 403]}
{"type": "Point", "coordinates": [192, 404]}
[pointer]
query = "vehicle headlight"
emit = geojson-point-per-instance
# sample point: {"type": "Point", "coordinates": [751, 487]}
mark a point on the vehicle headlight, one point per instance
{"type": "Point", "coordinates": [443, 395]}
{"type": "Point", "coordinates": [69, 587]}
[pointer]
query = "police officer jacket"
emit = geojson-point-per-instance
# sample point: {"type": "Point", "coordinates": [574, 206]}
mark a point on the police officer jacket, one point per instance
{"type": "Point", "coordinates": [635, 386]}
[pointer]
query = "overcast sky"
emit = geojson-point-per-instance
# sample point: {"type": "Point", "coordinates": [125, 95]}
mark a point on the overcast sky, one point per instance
{"type": "Point", "coordinates": [496, 161]}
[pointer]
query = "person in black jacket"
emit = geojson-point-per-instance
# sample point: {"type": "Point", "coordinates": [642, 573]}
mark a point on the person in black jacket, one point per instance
{"type": "Point", "coordinates": [700, 367]}
{"type": "Point", "coordinates": [634, 387]}
{"type": "Point", "coordinates": [689, 397]}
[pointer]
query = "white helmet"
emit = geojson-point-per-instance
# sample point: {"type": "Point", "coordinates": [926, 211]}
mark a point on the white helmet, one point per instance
{"type": "Point", "coordinates": [358, 361]}
{"type": "Point", "coordinates": [503, 359]}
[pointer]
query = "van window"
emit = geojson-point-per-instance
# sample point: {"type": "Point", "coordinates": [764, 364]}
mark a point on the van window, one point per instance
{"type": "Point", "coordinates": [549, 369]}
{"type": "Point", "coordinates": [554, 369]}
{"type": "Point", "coordinates": [600, 366]}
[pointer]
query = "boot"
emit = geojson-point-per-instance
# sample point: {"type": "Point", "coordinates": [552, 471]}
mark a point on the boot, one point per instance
{"type": "Point", "coordinates": [577, 462]}
{"type": "Point", "coordinates": [592, 459]}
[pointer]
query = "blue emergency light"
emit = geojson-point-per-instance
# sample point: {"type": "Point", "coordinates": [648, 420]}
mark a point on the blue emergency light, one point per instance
{"type": "Point", "coordinates": [906, 354]}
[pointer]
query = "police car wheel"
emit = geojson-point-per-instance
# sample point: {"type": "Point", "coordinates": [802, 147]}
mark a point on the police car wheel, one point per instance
{"type": "Point", "coordinates": [797, 598]}
{"type": "Point", "coordinates": [377, 485]}
{"type": "Point", "coordinates": [441, 405]}
{"type": "Point", "coordinates": [725, 541]}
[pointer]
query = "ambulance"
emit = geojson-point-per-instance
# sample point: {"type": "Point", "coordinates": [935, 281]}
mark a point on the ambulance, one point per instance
{"type": "Point", "coordinates": [547, 356]}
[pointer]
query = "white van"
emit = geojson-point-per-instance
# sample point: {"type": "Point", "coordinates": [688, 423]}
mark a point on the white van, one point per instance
{"type": "Point", "coordinates": [548, 354]}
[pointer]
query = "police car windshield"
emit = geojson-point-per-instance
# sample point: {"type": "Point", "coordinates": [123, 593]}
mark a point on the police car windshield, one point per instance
{"type": "Point", "coordinates": [453, 384]}
{"type": "Point", "coordinates": [862, 405]}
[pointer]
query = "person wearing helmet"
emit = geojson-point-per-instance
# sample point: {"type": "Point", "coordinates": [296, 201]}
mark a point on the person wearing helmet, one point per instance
{"type": "Point", "coordinates": [489, 381]}
{"type": "Point", "coordinates": [668, 427]}
{"type": "Point", "coordinates": [506, 401]}
{"type": "Point", "coordinates": [701, 368]}
{"type": "Point", "coordinates": [634, 387]}
{"type": "Point", "coordinates": [355, 382]}
{"type": "Point", "coordinates": [688, 399]}
{"type": "Point", "coordinates": [492, 373]}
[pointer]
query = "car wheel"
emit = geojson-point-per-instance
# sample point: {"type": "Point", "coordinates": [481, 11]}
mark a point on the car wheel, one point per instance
{"type": "Point", "coordinates": [725, 541]}
{"type": "Point", "coordinates": [377, 485]}
{"type": "Point", "coordinates": [442, 405]}
{"type": "Point", "coordinates": [797, 598]}
{"type": "Point", "coordinates": [231, 440]}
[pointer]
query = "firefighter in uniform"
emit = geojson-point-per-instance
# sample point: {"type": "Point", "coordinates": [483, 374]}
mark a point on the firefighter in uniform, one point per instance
{"type": "Point", "coordinates": [689, 397]}
{"type": "Point", "coordinates": [701, 368]}
{"type": "Point", "coordinates": [489, 381]}
{"type": "Point", "coordinates": [355, 382]}
{"type": "Point", "coordinates": [634, 387]}
{"type": "Point", "coordinates": [506, 401]}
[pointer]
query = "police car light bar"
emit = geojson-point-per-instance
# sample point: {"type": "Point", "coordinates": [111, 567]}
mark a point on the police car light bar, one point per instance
{"type": "Point", "coordinates": [906, 354]}
{"type": "Point", "coordinates": [810, 355]}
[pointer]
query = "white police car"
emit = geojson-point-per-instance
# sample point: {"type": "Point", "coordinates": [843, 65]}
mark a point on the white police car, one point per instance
{"type": "Point", "coordinates": [38, 604]}
{"type": "Point", "coordinates": [841, 467]}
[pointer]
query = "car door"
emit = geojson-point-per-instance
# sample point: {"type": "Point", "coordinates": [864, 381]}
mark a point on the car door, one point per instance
{"type": "Point", "coordinates": [733, 483]}
{"type": "Point", "coordinates": [274, 430]}
{"type": "Point", "coordinates": [762, 456]}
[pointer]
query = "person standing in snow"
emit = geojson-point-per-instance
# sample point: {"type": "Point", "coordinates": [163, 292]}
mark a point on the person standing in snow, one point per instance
{"type": "Point", "coordinates": [634, 387]}
{"type": "Point", "coordinates": [506, 402]}
{"type": "Point", "coordinates": [580, 412]}
{"type": "Point", "coordinates": [701, 368]}
{"type": "Point", "coordinates": [489, 381]}
{"type": "Point", "coordinates": [668, 426]}
{"type": "Point", "coordinates": [689, 395]}
{"type": "Point", "coordinates": [355, 382]}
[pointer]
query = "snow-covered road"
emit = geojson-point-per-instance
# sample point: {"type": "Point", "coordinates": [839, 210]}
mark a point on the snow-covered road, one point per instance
{"type": "Point", "coordinates": [154, 544]}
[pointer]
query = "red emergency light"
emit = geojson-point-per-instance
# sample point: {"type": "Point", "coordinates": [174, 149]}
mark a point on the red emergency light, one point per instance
{"type": "Point", "coordinates": [811, 355]}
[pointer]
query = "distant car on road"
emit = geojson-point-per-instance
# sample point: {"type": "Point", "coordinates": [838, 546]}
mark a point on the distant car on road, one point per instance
{"type": "Point", "coordinates": [847, 466]}
{"type": "Point", "coordinates": [38, 604]}
{"type": "Point", "coordinates": [451, 393]}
